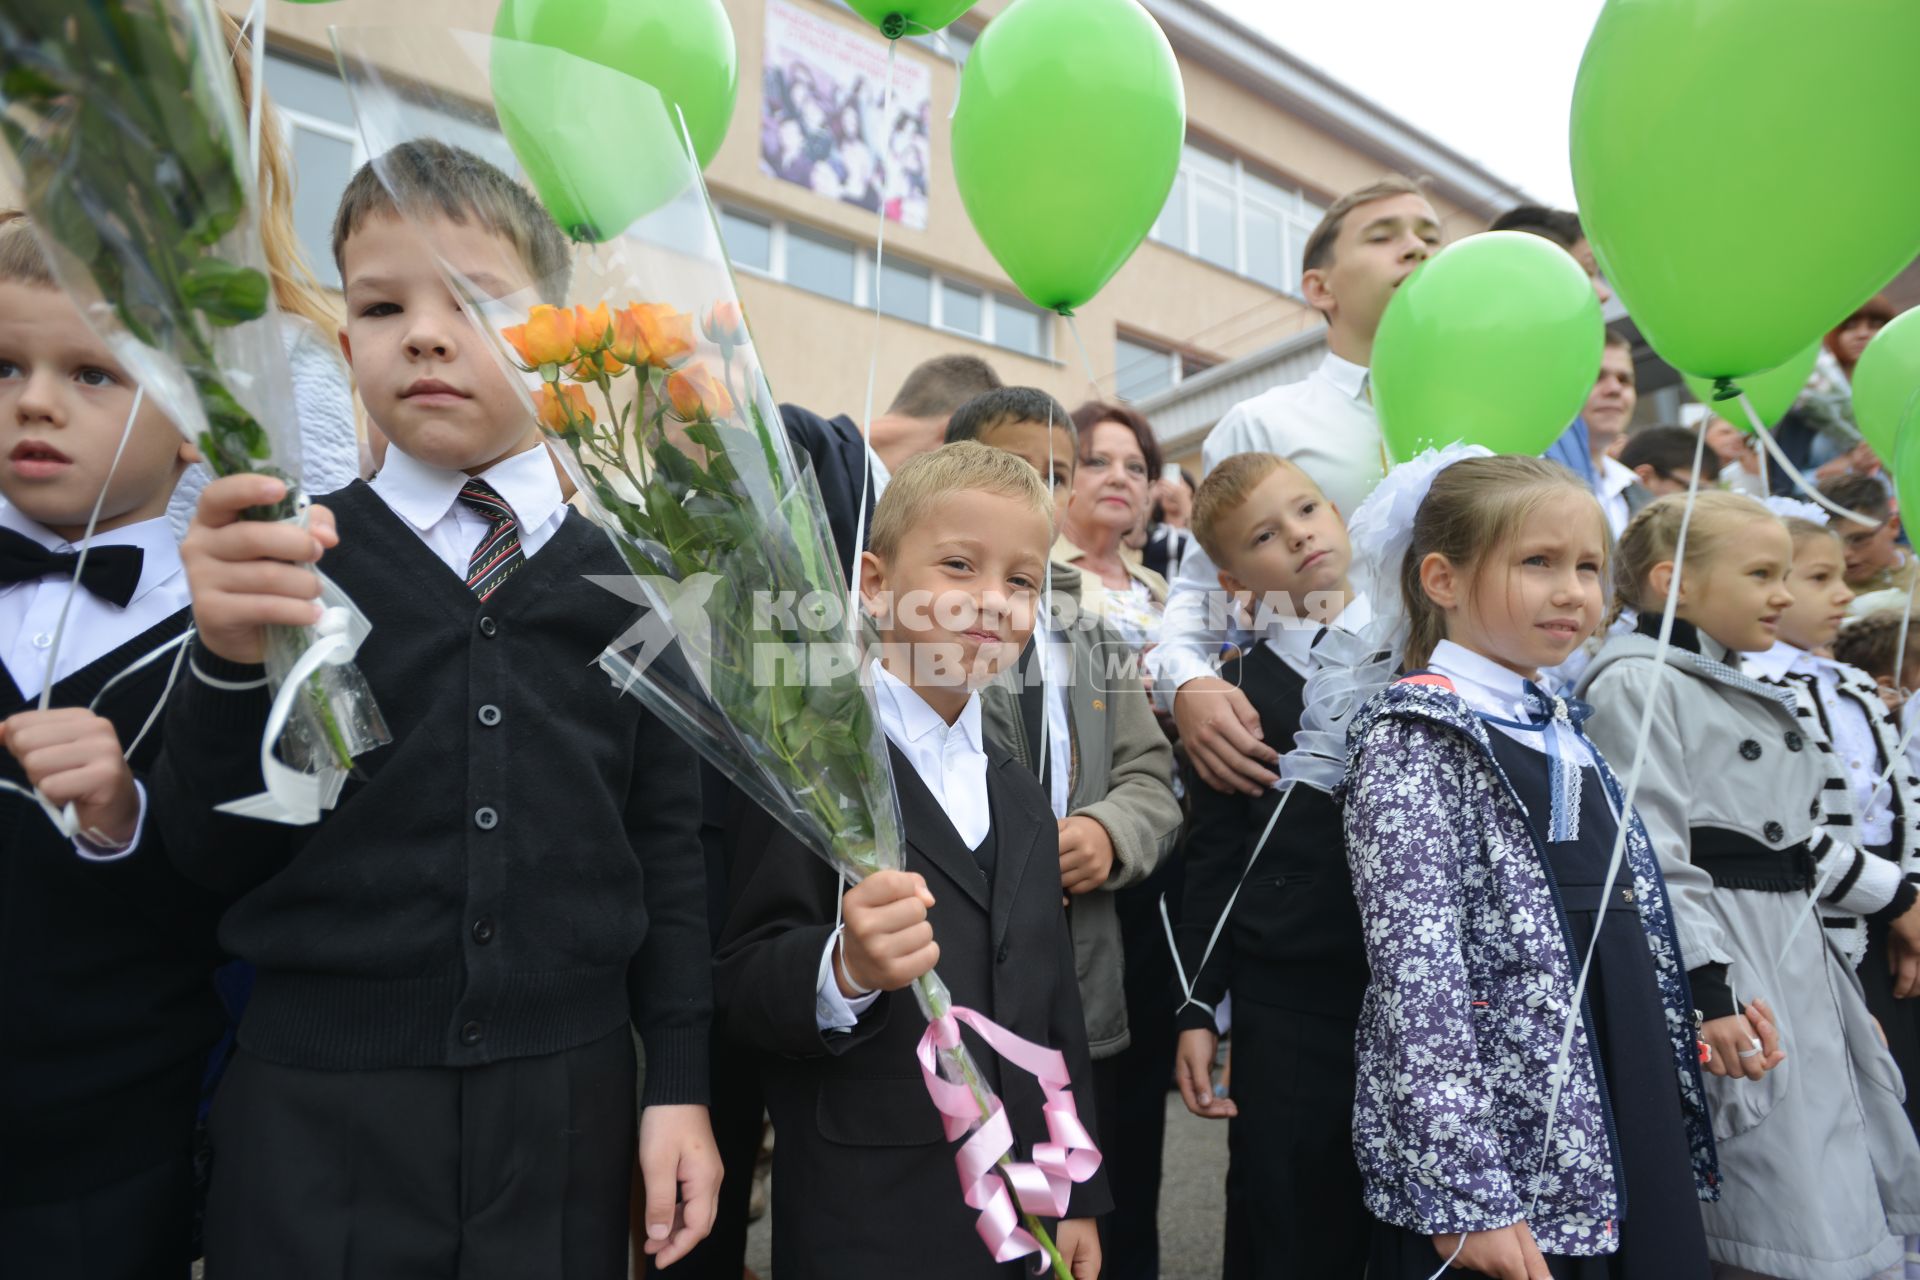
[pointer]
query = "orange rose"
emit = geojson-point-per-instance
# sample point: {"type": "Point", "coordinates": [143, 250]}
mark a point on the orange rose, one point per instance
{"type": "Point", "coordinates": [592, 330]}
{"type": "Point", "coordinates": [590, 367]}
{"type": "Point", "coordinates": [560, 409]}
{"type": "Point", "coordinates": [628, 345]}
{"type": "Point", "coordinates": [697, 396]}
{"type": "Point", "coordinates": [725, 325]}
{"type": "Point", "coordinates": [546, 337]}
{"type": "Point", "coordinates": [667, 334]}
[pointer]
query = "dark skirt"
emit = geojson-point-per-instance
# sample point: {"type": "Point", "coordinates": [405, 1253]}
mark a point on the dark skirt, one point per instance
{"type": "Point", "coordinates": [1899, 1019]}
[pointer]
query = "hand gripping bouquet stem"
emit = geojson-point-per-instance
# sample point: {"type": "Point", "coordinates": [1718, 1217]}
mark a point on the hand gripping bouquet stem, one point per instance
{"type": "Point", "coordinates": [123, 131]}
{"type": "Point", "coordinates": [637, 362]}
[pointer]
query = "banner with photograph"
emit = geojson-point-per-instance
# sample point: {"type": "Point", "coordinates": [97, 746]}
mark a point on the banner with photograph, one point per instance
{"type": "Point", "coordinates": [823, 122]}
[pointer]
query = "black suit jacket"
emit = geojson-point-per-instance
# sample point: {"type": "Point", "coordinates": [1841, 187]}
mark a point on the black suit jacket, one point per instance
{"type": "Point", "coordinates": [865, 1180]}
{"type": "Point", "coordinates": [838, 454]}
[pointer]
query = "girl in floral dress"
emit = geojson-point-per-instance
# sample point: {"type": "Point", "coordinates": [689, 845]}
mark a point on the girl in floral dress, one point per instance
{"type": "Point", "coordinates": [1481, 825]}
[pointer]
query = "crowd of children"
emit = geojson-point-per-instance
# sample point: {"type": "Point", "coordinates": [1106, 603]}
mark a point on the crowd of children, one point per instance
{"type": "Point", "coordinates": [1617, 980]}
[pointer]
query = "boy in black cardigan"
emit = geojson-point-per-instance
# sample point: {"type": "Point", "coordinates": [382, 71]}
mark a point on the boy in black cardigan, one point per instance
{"type": "Point", "coordinates": [1291, 953]}
{"type": "Point", "coordinates": [107, 1006]}
{"type": "Point", "coordinates": [864, 1181]}
{"type": "Point", "coordinates": [436, 1069]}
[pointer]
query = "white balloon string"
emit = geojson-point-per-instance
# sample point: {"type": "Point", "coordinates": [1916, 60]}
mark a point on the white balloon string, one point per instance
{"type": "Point", "coordinates": [1451, 1258]}
{"type": "Point", "coordinates": [1086, 360]}
{"type": "Point", "coordinates": [1043, 634]}
{"type": "Point", "coordinates": [1642, 737]}
{"type": "Point", "coordinates": [946, 46]}
{"type": "Point", "coordinates": [86, 548]}
{"type": "Point", "coordinates": [873, 374]}
{"type": "Point", "coordinates": [1219, 926]}
{"type": "Point", "coordinates": [160, 704]}
{"type": "Point", "coordinates": [1794, 473]}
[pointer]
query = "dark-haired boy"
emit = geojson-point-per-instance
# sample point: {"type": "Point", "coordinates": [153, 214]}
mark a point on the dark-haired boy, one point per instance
{"type": "Point", "coordinates": [1661, 458]}
{"type": "Point", "coordinates": [436, 1071]}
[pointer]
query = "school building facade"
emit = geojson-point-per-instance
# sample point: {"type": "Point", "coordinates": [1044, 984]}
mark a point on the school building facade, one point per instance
{"type": "Point", "coordinates": [1207, 312]}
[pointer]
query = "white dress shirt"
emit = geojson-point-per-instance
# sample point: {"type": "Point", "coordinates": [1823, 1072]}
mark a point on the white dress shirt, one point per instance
{"type": "Point", "coordinates": [1615, 479]}
{"type": "Point", "coordinates": [951, 760]}
{"type": "Point", "coordinates": [1059, 671]}
{"type": "Point", "coordinates": [30, 611]}
{"type": "Point", "coordinates": [1497, 691]}
{"type": "Point", "coordinates": [427, 499]}
{"type": "Point", "coordinates": [1327, 426]}
{"type": "Point", "coordinates": [1854, 743]}
{"type": "Point", "coordinates": [1292, 639]}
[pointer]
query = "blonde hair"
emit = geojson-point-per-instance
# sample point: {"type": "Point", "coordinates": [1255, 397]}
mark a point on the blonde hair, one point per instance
{"type": "Point", "coordinates": [295, 289]}
{"type": "Point", "coordinates": [1474, 508]}
{"type": "Point", "coordinates": [1225, 490]}
{"type": "Point", "coordinates": [22, 260]}
{"type": "Point", "coordinates": [963, 466]}
{"type": "Point", "coordinates": [1651, 536]}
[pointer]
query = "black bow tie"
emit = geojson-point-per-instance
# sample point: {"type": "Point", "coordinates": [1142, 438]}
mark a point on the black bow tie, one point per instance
{"type": "Point", "coordinates": [112, 573]}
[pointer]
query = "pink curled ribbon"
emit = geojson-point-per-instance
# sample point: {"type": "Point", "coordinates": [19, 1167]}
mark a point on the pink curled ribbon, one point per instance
{"type": "Point", "coordinates": [1044, 1185]}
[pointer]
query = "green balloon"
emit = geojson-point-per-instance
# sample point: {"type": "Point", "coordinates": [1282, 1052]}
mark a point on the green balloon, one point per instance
{"type": "Point", "coordinates": [683, 48]}
{"type": "Point", "coordinates": [1906, 471]}
{"type": "Point", "coordinates": [1682, 104]}
{"type": "Point", "coordinates": [600, 148]}
{"type": "Point", "coordinates": [1067, 140]}
{"type": "Point", "coordinates": [1771, 393]}
{"type": "Point", "coordinates": [1886, 385]}
{"type": "Point", "coordinates": [1495, 341]}
{"type": "Point", "coordinates": [897, 18]}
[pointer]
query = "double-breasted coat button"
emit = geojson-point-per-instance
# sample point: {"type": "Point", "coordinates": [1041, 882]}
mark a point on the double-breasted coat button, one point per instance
{"type": "Point", "coordinates": [1795, 741]}
{"type": "Point", "coordinates": [1749, 750]}
{"type": "Point", "coordinates": [1813, 809]}
{"type": "Point", "coordinates": [1774, 832]}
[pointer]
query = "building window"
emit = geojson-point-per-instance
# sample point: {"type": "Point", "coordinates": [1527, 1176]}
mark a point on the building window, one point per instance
{"type": "Point", "coordinates": [1142, 368]}
{"type": "Point", "coordinates": [820, 264]}
{"type": "Point", "coordinates": [749, 240]}
{"type": "Point", "coordinates": [837, 268]}
{"type": "Point", "coordinates": [1225, 212]}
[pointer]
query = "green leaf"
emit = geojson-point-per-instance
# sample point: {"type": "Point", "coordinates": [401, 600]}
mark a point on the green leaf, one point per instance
{"type": "Point", "coordinates": [225, 293]}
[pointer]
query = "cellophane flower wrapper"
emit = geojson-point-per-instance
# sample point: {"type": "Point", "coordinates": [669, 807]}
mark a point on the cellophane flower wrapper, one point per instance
{"type": "Point", "coordinates": [636, 361]}
{"type": "Point", "coordinates": [123, 131]}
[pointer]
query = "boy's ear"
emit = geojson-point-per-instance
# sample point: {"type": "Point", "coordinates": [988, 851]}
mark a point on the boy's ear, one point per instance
{"type": "Point", "coordinates": [1439, 580]}
{"type": "Point", "coordinates": [1646, 473]}
{"type": "Point", "coordinates": [873, 582]}
{"type": "Point", "coordinates": [346, 347]}
{"type": "Point", "coordinates": [1315, 289]}
{"type": "Point", "coordinates": [189, 452]}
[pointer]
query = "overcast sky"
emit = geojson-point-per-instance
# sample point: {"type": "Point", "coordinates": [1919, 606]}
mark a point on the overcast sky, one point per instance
{"type": "Point", "coordinates": [1490, 78]}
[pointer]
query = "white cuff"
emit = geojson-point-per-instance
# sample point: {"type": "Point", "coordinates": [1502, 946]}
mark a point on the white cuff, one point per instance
{"type": "Point", "coordinates": [831, 1010]}
{"type": "Point", "coordinates": [99, 853]}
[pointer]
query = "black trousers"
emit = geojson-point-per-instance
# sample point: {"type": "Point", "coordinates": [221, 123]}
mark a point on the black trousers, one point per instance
{"type": "Point", "coordinates": [516, 1169]}
{"type": "Point", "coordinates": [1131, 1088]}
{"type": "Point", "coordinates": [1294, 1195]}
{"type": "Point", "coordinates": [140, 1228]}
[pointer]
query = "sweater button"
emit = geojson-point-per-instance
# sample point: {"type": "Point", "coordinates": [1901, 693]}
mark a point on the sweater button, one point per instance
{"type": "Point", "coordinates": [1749, 750]}
{"type": "Point", "coordinates": [1774, 832]}
{"type": "Point", "coordinates": [483, 931]}
{"type": "Point", "coordinates": [473, 1033]}
{"type": "Point", "coordinates": [488, 627]}
{"type": "Point", "coordinates": [1794, 741]}
{"type": "Point", "coordinates": [489, 715]}
{"type": "Point", "coordinates": [485, 818]}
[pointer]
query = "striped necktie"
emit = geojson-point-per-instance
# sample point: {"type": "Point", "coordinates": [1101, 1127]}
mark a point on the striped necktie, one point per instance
{"type": "Point", "coordinates": [498, 554]}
